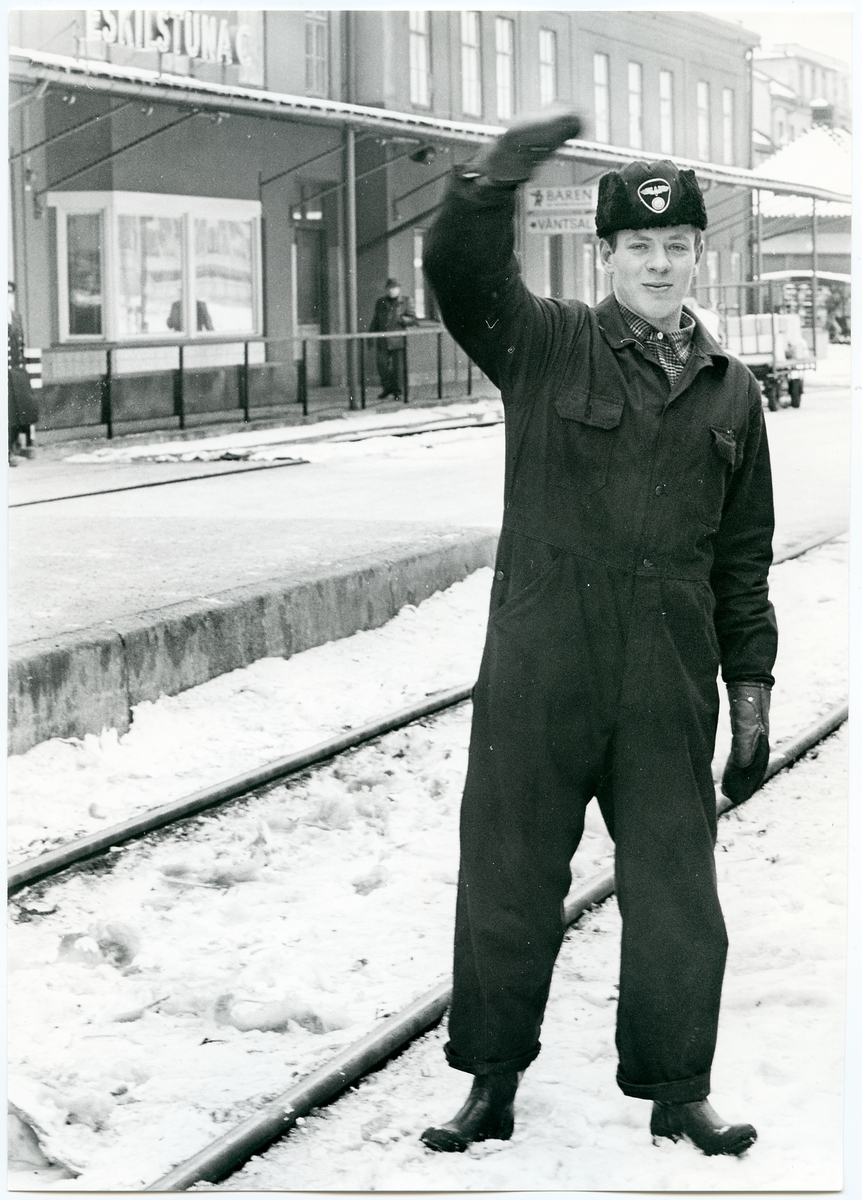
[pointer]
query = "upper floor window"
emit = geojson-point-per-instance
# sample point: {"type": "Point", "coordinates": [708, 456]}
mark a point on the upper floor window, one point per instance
{"type": "Point", "coordinates": [727, 124]}
{"type": "Point", "coordinates": [602, 97]}
{"type": "Point", "coordinates": [703, 148]}
{"type": "Point", "coordinates": [547, 66]}
{"type": "Point", "coordinates": [136, 265]}
{"type": "Point", "coordinates": [636, 105]}
{"type": "Point", "coordinates": [471, 79]}
{"type": "Point", "coordinates": [505, 45]}
{"type": "Point", "coordinates": [316, 53]}
{"type": "Point", "coordinates": [420, 59]}
{"type": "Point", "coordinates": [665, 111]}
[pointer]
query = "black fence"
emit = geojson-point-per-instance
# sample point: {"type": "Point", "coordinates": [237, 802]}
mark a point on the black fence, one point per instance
{"type": "Point", "coordinates": [133, 386]}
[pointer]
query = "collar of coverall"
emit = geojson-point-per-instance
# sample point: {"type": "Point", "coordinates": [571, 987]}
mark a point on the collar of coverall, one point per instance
{"type": "Point", "coordinates": [618, 334]}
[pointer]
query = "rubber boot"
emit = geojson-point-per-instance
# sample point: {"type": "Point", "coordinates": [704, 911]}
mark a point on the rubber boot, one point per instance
{"type": "Point", "coordinates": [488, 1113]}
{"type": "Point", "coordinates": [700, 1124]}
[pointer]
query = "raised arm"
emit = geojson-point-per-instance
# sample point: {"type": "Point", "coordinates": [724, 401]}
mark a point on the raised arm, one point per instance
{"type": "Point", "coordinates": [469, 252]}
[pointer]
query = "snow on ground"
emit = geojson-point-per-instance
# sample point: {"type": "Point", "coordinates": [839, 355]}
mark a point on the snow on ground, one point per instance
{"type": "Point", "coordinates": [264, 444]}
{"type": "Point", "coordinates": [71, 787]}
{"type": "Point", "coordinates": [156, 1004]}
{"type": "Point", "coordinates": [778, 1063]}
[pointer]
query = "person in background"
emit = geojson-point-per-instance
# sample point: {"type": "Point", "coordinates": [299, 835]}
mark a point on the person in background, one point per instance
{"type": "Point", "coordinates": [23, 411]}
{"type": "Point", "coordinates": [392, 311]}
{"type": "Point", "coordinates": [632, 567]}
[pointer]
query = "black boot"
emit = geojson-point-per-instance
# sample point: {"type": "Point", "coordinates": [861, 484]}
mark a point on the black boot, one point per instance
{"type": "Point", "coordinates": [700, 1124]}
{"type": "Point", "coordinates": [488, 1113]}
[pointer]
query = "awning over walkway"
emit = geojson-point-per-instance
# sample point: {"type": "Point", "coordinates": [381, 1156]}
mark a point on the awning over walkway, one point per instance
{"type": "Point", "coordinates": [30, 66]}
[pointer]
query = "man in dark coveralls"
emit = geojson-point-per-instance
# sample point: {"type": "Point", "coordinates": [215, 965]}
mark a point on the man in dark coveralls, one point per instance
{"type": "Point", "coordinates": [632, 566]}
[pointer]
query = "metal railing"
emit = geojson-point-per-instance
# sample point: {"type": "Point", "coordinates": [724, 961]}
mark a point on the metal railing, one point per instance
{"type": "Point", "coordinates": [316, 372]}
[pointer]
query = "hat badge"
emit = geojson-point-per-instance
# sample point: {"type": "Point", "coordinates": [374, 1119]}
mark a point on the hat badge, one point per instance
{"type": "Point", "coordinates": [654, 194]}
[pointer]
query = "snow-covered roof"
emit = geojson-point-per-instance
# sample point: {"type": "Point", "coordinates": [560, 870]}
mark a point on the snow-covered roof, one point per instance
{"type": "Point", "coordinates": [819, 153]}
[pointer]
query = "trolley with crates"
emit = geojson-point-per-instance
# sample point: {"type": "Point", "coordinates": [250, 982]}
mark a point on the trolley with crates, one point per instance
{"type": "Point", "coordinates": [757, 327]}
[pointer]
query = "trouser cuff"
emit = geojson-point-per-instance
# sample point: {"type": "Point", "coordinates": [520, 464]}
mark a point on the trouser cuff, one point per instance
{"type": "Point", "coordinates": [678, 1091]}
{"type": "Point", "coordinates": [479, 1067]}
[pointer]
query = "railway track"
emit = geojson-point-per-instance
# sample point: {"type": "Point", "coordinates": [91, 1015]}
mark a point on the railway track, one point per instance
{"type": "Point", "coordinates": [39, 868]}
{"type": "Point", "coordinates": [394, 1033]}
{"type": "Point", "coordinates": [227, 1153]}
{"type": "Point", "coordinates": [358, 435]}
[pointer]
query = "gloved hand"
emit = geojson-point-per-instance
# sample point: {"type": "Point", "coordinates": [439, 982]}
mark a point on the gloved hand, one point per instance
{"type": "Point", "coordinates": [514, 156]}
{"type": "Point", "coordinates": [749, 751]}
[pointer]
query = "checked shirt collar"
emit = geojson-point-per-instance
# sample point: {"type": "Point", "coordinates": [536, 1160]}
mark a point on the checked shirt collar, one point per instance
{"type": "Point", "coordinates": [669, 350]}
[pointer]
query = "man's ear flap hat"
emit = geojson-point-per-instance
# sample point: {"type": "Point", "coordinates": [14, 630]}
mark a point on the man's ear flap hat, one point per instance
{"type": "Point", "coordinates": [649, 196]}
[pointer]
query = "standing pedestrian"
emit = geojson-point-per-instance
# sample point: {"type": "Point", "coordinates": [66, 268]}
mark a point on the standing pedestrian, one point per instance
{"type": "Point", "coordinates": [22, 410]}
{"type": "Point", "coordinates": [632, 567]}
{"type": "Point", "coordinates": [392, 311]}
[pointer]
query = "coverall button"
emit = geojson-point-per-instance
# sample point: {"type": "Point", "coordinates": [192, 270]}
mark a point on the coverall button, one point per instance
{"type": "Point", "coordinates": [499, 575]}
{"type": "Point", "coordinates": [660, 489]}
{"type": "Point", "coordinates": [660, 336]}
{"type": "Point", "coordinates": [647, 563]}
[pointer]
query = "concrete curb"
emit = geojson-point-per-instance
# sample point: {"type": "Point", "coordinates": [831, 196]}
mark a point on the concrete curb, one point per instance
{"type": "Point", "coordinates": [82, 682]}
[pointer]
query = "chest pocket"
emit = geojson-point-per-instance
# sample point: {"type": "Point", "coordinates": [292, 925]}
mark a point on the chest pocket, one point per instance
{"type": "Point", "coordinates": [584, 437]}
{"type": "Point", "coordinates": [722, 459]}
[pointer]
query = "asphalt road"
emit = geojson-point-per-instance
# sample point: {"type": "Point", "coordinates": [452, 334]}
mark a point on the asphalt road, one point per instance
{"type": "Point", "coordinates": [77, 562]}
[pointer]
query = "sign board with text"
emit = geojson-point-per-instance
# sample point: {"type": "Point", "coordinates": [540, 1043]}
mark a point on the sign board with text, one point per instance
{"type": "Point", "coordinates": [574, 198]}
{"type": "Point", "coordinates": [184, 39]}
{"type": "Point", "coordinates": [569, 209]}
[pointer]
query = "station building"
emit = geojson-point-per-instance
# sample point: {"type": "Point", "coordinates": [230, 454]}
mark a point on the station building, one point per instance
{"type": "Point", "coordinates": [209, 186]}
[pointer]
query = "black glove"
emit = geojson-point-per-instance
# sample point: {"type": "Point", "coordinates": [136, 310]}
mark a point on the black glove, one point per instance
{"type": "Point", "coordinates": [526, 143]}
{"type": "Point", "coordinates": [749, 750]}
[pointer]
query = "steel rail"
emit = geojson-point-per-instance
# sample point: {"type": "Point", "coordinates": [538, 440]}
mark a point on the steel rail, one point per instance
{"type": "Point", "coordinates": [358, 435]}
{"type": "Point", "coordinates": [151, 483]}
{"type": "Point", "coordinates": [35, 870]}
{"type": "Point", "coordinates": [227, 1153]}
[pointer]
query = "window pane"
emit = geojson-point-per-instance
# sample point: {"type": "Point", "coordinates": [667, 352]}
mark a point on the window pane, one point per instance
{"type": "Point", "coordinates": [150, 297]}
{"type": "Point", "coordinates": [224, 284]}
{"type": "Point", "coordinates": [505, 43]}
{"type": "Point", "coordinates": [471, 89]}
{"type": "Point", "coordinates": [703, 148]}
{"type": "Point", "coordinates": [419, 58]}
{"type": "Point", "coordinates": [635, 105]}
{"type": "Point", "coordinates": [601, 93]}
{"type": "Point", "coordinates": [84, 258]}
{"type": "Point", "coordinates": [666, 112]}
{"type": "Point", "coordinates": [547, 66]}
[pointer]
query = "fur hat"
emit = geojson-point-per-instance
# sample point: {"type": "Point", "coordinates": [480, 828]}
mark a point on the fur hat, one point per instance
{"type": "Point", "coordinates": [649, 196]}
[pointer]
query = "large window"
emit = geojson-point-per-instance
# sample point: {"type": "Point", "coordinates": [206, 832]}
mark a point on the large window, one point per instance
{"type": "Point", "coordinates": [636, 105]}
{"type": "Point", "coordinates": [418, 274]}
{"type": "Point", "coordinates": [420, 59]}
{"type": "Point", "coordinates": [505, 44]}
{"type": "Point", "coordinates": [316, 54]}
{"type": "Point", "coordinates": [665, 111]}
{"type": "Point", "coordinates": [703, 148]}
{"type": "Point", "coordinates": [471, 80]}
{"type": "Point", "coordinates": [83, 263]}
{"type": "Point", "coordinates": [727, 124]}
{"type": "Point", "coordinates": [149, 275]}
{"type": "Point", "coordinates": [140, 265]}
{"type": "Point", "coordinates": [547, 66]}
{"type": "Point", "coordinates": [602, 97]}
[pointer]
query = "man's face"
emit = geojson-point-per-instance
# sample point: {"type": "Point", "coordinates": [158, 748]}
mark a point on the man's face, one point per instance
{"type": "Point", "coordinates": [651, 271]}
{"type": "Point", "coordinates": [393, 292]}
